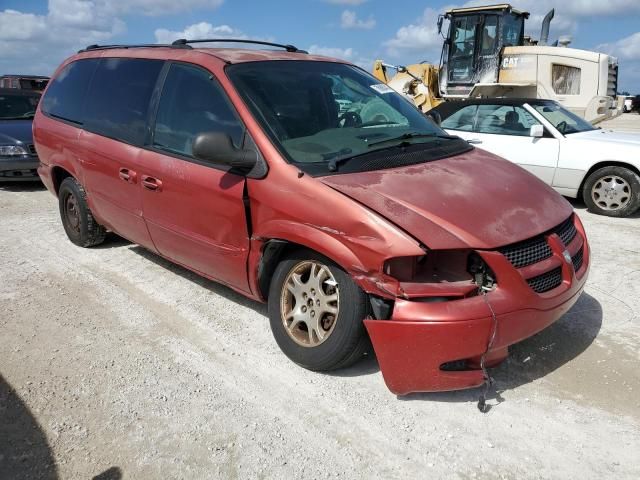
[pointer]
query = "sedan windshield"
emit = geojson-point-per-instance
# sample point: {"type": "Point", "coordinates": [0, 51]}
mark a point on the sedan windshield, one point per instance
{"type": "Point", "coordinates": [565, 121]}
{"type": "Point", "coordinates": [17, 106]}
{"type": "Point", "coordinates": [323, 114]}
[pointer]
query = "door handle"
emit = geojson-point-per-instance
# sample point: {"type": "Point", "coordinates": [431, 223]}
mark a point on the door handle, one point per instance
{"type": "Point", "coordinates": [127, 175]}
{"type": "Point", "coordinates": [151, 183]}
{"type": "Point", "coordinates": [474, 141]}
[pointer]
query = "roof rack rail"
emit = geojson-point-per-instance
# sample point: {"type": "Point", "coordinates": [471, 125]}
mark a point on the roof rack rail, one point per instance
{"type": "Point", "coordinates": [288, 48]}
{"type": "Point", "coordinates": [141, 45]}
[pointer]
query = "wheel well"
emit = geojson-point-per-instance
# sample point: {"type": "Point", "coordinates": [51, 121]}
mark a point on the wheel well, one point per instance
{"type": "Point", "coordinates": [58, 174]}
{"type": "Point", "coordinates": [275, 249]}
{"type": "Point", "coordinates": [272, 252]}
{"type": "Point", "coordinates": [600, 165]}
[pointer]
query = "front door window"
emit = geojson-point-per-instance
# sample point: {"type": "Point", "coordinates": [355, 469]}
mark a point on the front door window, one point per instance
{"type": "Point", "coordinates": [192, 103]}
{"type": "Point", "coordinates": [504, 120]}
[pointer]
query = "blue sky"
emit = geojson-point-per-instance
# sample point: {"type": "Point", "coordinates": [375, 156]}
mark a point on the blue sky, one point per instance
{"type": "Point", "coordinates": [36, 35]}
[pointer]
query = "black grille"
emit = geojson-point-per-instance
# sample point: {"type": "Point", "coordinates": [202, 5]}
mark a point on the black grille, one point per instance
{"type": "Point", "coordinates": [566, 231]}
{"type": "Point", "coordinates": [577, 259]}
{"type": "Point", "coordinates": [536, 249]}
{"type": "Point", "coordinates": [32, 149]}
{"type": "Point", "coordinates": [547, 281]}
{"type": "Point", "coordinates": [525, 253]}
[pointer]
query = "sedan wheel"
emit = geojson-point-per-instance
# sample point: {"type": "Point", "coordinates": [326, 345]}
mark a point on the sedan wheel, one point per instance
{"type": "Point", "coordinates": [613, 191]}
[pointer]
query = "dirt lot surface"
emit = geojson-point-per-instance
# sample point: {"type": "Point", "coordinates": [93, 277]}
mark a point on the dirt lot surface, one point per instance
{"type": "Point", "coordinates": [115, 363]}
{"type": "Point", "coordinates": [627, 122]}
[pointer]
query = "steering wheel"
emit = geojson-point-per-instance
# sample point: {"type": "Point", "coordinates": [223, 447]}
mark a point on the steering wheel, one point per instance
{"type": "Point", "coordinates": [562, 126]}
{"type": "Point", "coordinates": [28, 114]}
{"type": "Point", "coordinates": [349, 119]}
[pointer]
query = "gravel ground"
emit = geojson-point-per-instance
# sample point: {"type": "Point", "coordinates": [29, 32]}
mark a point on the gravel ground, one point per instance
{"type": "Point", "coordinates": [116, 364]}
{"type": "Point", "coordinates": [627, 122]}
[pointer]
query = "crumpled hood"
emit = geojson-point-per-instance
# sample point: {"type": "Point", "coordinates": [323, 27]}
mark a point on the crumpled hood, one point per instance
{"type": "Point", "coordinates": [15, 131]}
{"type": "Point", "coordinates": [473, 200]}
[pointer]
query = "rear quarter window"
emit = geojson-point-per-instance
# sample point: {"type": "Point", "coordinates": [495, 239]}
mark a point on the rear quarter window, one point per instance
{"type": "Point", "coordinates": [462, 119]}
{"type": "Point", "coordinates": [65, 96]}
{"type": "Point", "coordinates": [118, 100]}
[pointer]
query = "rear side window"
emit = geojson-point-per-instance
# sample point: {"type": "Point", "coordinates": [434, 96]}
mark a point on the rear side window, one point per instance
{"type": "Point", "coordinates": [65, 96]}
{"type": "Point", "coordinates": [118, 99]}
{"type": "Point", "coordinates": [192, 103]}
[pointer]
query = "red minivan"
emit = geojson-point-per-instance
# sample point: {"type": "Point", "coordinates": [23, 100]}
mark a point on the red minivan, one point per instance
{"type": "Point", "coordinates": [303, 182]}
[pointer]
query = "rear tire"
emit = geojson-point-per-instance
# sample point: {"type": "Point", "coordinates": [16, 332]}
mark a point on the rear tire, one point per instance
{"type": "Point", "coordinates": [77, 219]}
{"type": "Point", "coordinates": [612, 191]}
{"type": "Point", "coordinates": [302, 286]}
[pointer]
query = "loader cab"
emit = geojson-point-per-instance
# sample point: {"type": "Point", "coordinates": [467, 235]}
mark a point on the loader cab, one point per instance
{"type": "Point", "coordinates": [471, 51]}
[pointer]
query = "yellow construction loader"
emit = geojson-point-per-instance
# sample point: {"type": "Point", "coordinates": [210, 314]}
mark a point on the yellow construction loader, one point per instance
{"type": "Point", "coordinates": [485, 53]}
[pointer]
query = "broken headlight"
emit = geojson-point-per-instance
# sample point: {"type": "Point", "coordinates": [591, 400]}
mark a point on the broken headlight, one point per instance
{"type": "Point", "coordinates": [435, 266]}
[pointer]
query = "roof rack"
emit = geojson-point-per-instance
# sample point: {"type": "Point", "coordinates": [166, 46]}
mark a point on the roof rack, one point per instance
{"type": "Point", "coordinates": [141, 45]}
{"type": "Point", "coordinates": [185, 42]}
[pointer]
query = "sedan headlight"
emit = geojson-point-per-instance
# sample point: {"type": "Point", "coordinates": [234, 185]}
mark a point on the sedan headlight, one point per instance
{"type": "Point", "coordinates": [11, 150]}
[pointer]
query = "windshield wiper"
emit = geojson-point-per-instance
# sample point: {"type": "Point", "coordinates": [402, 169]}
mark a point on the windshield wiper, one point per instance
{"type": "Point", "coordinates": [409, 136]}
{"type": "Point", "coordinates": [336, 158]}
{"type": "Point", "coordinates": [344, 155]}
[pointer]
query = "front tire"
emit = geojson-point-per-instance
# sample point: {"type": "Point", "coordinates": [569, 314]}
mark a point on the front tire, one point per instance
{"type": "Point", "coordinates": [77, 219]}
{"type": "Point", "coordinates": [612, 191]}
{"type": "Point", "coordinates": [316, 312]}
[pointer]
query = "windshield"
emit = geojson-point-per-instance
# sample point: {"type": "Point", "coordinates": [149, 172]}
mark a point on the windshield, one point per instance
{"type": "Point", "coordinates": [565, 121]}
{"type": "Point", "coordinates": [319, 113]}
{"type": "Point", "coordinates": [18, 106]}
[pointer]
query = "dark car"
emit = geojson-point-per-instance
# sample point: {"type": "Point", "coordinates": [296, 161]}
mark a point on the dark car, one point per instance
{"type": "Point", "coordinates": [18, 159]}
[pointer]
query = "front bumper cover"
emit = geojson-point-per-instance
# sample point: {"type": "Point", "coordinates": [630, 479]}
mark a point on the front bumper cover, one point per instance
{"type": "Point", "coordinates": [19, 168]}
{"type": "Point", "coordinates": [420, 337]}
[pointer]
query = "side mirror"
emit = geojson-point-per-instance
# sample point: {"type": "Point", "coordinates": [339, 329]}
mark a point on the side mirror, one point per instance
{"type": "Point", "coordinates": [440, 20]}
{"type": "Point", "coordinates": [218, 148]}
{"type": "Point", "coordinates": [536, 131]}
{"type": "Point", "coordinates": [435, 116]}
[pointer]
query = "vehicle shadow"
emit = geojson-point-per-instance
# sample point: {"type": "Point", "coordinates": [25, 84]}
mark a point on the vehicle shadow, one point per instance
{"type": "Point", "coordinates": [113, 473]}
{"type": "Point", "coordinates": [112, 240]}
{"type": "Point", "coordinates": [367, 366]}
{"type": "Point", "coordinates": [23, 186]}
{"type": "Point", "coordinates": [537, 356]}
{"type": "Point", "coordinates": [213, 287]}
{"type": "Point", "coordinates": [24, 450]}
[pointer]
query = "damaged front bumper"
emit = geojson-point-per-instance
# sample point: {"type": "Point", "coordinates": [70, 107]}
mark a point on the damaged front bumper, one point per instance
{"type": "Point", "coordinates": [419, 342]}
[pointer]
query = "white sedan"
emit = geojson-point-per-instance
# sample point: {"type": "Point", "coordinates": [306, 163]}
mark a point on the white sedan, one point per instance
{"type": "Point", "coordinates": [565, 151]}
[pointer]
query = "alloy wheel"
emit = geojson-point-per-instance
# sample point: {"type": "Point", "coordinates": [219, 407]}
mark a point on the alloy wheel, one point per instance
{"type": "Point", "coordinates": [611, 192]}
{"type": "Point", "coordinates": [309, 303]}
